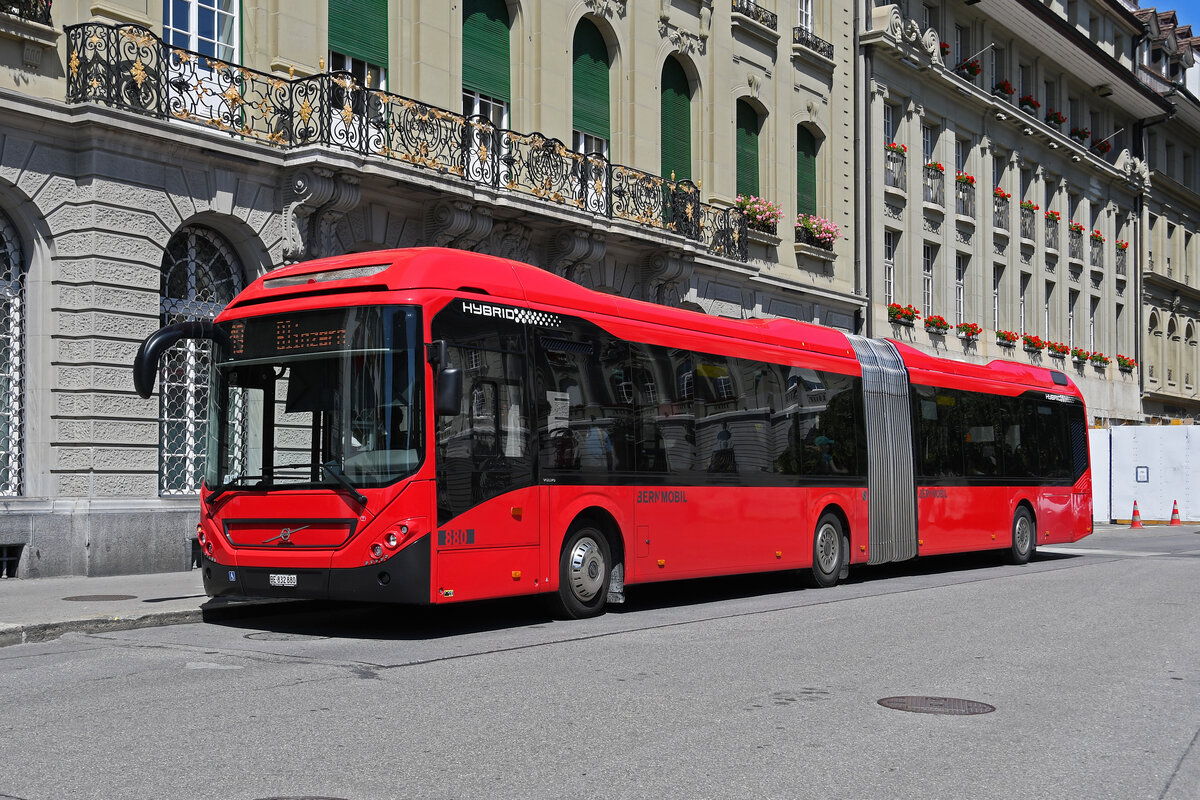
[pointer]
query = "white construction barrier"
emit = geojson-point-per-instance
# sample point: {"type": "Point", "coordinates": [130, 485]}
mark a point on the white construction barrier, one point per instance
{"type": "Point", "coordinates": [1156, 465]}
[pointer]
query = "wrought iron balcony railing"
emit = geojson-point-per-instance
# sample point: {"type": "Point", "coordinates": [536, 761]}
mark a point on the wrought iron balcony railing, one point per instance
{"type": "Point", "coordinates": [935, 186]}
{"type": "Point", "coordinates": [1097, 254]}
{"type": "Point", "coordinates": [1052, 235]}
{"type": "Point", "coordinates": [806, 38]}
{"type": "Point", "coordinates": [756, 13]}
{"type": "Point", "coordinates": [806, 236]}
{"type": "Point", "coordinates": [1000, 213]}
{"type": "Point", "coordinates": [1120, 262]}
{"type": "Point", "coordinates": [1075, 245]}
{"type": "Point", "coordinates": [964, 199]}
{"type": "Point", "coordinates": [32, 10]}
{"type": "Point", "coordinates": [1028, 224]}
{"type": "Point", "coordinates": [129, 68]}
{"type": "Point", "coordinates": [895, 170]}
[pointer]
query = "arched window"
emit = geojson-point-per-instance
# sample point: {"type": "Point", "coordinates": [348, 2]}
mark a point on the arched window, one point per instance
{"type": "Point", "coordinates": [806, 171]}
{"type": "Point", "coordinates": [1154, 350]}
{"type": "Point", "coordinates": [748, 125]}
{"type": "Point", "coordinates": [1173, 346]}
{"type": "Point", "coordinates": [12, 359]}
{"type": "Point", "coordinates": [200, 275]}
{"type": "Point", "coordinates": [676, 109]}
{"type": "Point", "coordinates": [589, 75]}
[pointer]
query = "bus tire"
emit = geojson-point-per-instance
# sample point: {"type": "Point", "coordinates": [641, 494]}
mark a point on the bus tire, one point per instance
{"type": "Point", "coordinates": [583, 574]}
{"type": "Point", "coordinates": [1023, 537]}
{"type": "Point", "coordinates": [829, 552]}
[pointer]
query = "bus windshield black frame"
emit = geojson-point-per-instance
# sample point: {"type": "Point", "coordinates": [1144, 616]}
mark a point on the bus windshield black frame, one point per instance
{"type": "Point", "coordinates": [346, 386]}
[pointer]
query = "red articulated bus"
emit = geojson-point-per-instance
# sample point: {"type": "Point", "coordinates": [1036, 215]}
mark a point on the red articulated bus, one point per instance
{"type": "Point", "coordinates": [431, 426]}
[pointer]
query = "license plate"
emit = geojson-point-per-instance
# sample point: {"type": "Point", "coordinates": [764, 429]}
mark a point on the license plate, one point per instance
{"type": "Point", "coordinates": [282, 580]}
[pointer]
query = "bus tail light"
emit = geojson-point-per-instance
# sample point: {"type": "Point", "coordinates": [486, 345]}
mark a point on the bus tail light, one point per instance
{"type": "Point", "coordinates": [390, 539]}
{"type": "Point", "coordinates": [377, 550]}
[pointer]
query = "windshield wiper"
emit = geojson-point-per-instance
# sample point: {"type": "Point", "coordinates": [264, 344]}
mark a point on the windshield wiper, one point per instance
{"type": "Point", "coordinates": [334, 471]}
{"type": "Point", "coordinates": [229, 484]}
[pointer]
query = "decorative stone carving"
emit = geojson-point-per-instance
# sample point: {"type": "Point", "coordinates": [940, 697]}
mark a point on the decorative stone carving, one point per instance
{"type": "Point", "coordinates": [932, 225]}
{"type": "Point", "coordinates": [573, 249]}
{"type": "Point", "coordinates": [509, 240]}
{"type": "Point", "coordinates": [457, 223]}
{"type": "Point", "coordinates": [665, 272]}
{"type": "Point", "coordinates": [607, 8]}
{"type": "Point", "coordinates": [1136, 171]}
{"type": "Point", "coordinates": [315, 200]}
{"type": "Point", "coordinates": [892, 211]}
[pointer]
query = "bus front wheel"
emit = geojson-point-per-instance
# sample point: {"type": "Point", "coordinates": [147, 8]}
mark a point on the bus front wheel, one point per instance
{"type": "Point", "coordinates": [829, 552]}
{"type": "Point", "coordinates": [1023, 537]}
{"type": "Point", "coordinates": [583, 572]}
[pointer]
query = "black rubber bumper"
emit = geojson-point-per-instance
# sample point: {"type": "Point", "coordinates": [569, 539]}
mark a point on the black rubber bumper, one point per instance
{"type": "Point", "coordinates": [403, 578]}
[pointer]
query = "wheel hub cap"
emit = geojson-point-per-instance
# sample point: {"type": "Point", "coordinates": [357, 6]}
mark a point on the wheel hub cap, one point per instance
{"type": "Point", "coordinates": [587, 569]}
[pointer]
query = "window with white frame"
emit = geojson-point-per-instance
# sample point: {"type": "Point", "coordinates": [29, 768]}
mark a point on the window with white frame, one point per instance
{"type": "Point", "coordinates": [889, 123]}
{"type": "Point", "coordinates": [962, 262]}
{"type": "Point", "coordinates": [804, 14]}
{"type": "Point", "coordinates": [209, 27]}
{"type": "Point", "coordinates": [1072, 300]}
{"type": "Point", "coordinates": [1093, 308]}
{"type": "Point", "coordinates": [889, 267]}
{"type": "Point", "coordinates": [997, 282]}
{"type": "Point", "coordinates": [365, 74]}
{"type": "Point", "coordinates": [928, 254]}
{"type": "Point", "coordinates": [1025, 278]}
{"type": "Point", "coordinates": [1047, 303]}
{"type": "Point", "coordinates": [928, 141]}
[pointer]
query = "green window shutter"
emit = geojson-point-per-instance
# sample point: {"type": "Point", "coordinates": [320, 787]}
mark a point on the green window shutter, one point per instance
{"type": "Point", "coordinates": [806, 172]}
{"type": "Point", "coordinates": [747, 149]}
{"type": "Point", "coordinates": [676, 121]}
{"type": "Point", "coordinates": [486, 65]}
{"type": "Point", "coordinates": [359, 29]}
{"type": "Point", "coordinates": [590, 78]}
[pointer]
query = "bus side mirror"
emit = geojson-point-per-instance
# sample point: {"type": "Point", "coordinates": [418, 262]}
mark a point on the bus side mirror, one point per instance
{"type": "Point", "coordinates": [448, 389]}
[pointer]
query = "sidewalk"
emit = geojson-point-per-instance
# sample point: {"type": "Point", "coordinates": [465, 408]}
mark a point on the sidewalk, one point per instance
{"type": "Point", "coordinates": [41, 609]}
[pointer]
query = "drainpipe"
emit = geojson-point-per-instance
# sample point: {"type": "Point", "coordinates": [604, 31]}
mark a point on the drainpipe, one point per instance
{"type": "Point", "coordinates": [863, 243]}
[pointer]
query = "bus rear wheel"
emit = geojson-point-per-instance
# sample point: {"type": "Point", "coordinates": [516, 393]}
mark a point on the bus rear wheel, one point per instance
{"type": "Point", "coordinates": [583, 573]}
{"type": "Point", "coordinates": [829, 552]}
{"type": "Point", "coordinates": [1023, 537]}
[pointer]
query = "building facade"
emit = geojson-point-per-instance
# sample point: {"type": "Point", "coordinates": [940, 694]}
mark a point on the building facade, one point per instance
{"type": "Point", "coordinates": [811, 159]}
{"type": "Point", "coordinates": [154, 159]}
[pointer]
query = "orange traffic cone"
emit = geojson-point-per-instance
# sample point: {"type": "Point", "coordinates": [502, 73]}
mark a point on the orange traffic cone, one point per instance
{"type": "Point", "coordinates": [1175, 514]}
{"type": "Point", "coordinates": [1137, 517]}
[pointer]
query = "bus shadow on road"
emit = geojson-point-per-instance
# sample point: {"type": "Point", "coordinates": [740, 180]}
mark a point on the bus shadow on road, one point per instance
{"type": "Point", "coordinates": [374, 621]}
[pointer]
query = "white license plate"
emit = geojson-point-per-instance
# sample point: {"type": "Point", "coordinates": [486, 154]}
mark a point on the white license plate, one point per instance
{"type": "Point", "coordinates": [282, 580]}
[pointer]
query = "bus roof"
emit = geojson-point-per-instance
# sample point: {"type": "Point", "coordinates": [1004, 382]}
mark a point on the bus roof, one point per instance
{"type": "Point", "coordinates": [504, 280]}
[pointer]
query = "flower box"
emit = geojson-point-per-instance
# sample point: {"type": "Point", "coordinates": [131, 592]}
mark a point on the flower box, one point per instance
{"type": "Point", "coordinates": [761, 214]}
{"type": "Point", "coordinates": [1007, 338]}
{"type": "Point", "coordinates": [937, 324]}
{"type": "Point", "coordinates": [902, 315]}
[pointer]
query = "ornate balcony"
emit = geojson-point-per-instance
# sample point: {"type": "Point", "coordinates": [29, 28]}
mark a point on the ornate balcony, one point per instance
{"type": "Point", "coordinates": [756, 13]}
{"type": "Point", "coordinates": [1121, 261]}
{"type": "Point", "coordinates": [805, 38]}
{"type": "Point", "coordinates": [1096, 258]}
{"type": "Point", "coordinates": [895, 173]}
{"type": "Point", "coordinates": [1000, 213]}
{"type": "Point", "coordinates": [32, 10]}
{"type": "Point", "coordinates": [934, 186]}
{"type": "Point", "coordinates": [129, 68]}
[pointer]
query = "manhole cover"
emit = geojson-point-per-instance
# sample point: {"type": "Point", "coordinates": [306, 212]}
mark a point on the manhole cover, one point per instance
{"type": "Point", "coordinates": [275, 636]}
{"type": "Point", "coordinates": [94, 598]}
{"type": "Point", "coordinates": [937, 705]}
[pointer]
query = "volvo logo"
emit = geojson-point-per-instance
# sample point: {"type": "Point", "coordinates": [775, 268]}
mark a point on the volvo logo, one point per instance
{"type": "Point", "coordinates": [285, 535]}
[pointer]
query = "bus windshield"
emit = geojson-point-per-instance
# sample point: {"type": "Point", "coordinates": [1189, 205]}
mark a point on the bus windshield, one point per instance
{"type": "Point", "coordinates": [329, 397]}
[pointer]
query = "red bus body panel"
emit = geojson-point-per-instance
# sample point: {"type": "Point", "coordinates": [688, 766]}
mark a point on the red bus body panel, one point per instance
{"type": "Point", "coordinates": [510, 544]}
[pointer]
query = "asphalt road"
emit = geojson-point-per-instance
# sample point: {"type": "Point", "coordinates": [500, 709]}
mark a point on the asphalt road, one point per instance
{"type": "Point", "coordinates": [746, 688]}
